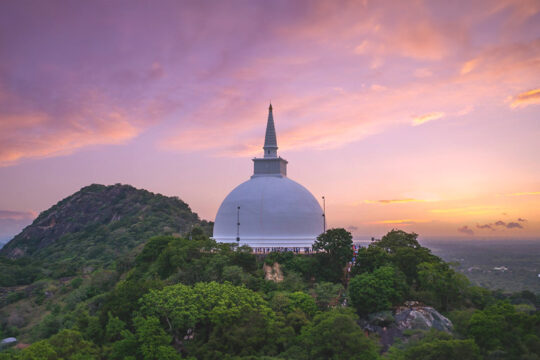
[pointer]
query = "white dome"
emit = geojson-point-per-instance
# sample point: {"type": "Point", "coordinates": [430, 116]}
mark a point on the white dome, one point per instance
{"type": "Point", "coordinates": [274, 212]}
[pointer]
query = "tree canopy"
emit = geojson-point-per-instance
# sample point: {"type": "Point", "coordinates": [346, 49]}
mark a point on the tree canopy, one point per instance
{"type": "Point", "coordinates": [190, 297]}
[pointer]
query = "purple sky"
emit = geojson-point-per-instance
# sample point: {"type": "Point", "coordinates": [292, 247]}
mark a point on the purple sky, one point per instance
{"type": "Point", "coordinates": [422, 115]}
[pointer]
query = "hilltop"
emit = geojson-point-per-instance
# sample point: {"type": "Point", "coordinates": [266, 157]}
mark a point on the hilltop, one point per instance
{"type": "Point", "coordinates": [97, 225]}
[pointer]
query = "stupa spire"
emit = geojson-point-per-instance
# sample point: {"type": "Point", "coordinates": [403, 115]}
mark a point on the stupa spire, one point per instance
{"type": "Point", "coordinates": [270, 142]}
{"type": "Point", "coordinates": [270, 164]}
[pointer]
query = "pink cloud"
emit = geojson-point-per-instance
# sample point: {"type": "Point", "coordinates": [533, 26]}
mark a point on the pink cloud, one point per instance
{"type": "Point", "coordinates": [419, 120]}
{"type": "Point", "coordinates": [17, 215]}
{"type": "Point", "coordinates": [531, 97]}
{"type": "Point", "coordinates": [215, 80]}
{"type": "Point", "coordinates": [394, 201]}
{"type": "Point", "coordinates": [425, 40]}
{"type": "Point", "coordinates": [40, 135]}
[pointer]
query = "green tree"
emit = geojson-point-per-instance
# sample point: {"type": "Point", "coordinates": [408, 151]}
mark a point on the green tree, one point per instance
{"type": "Point", "coordinates": [397, 239]}
{"type": "Point", "coordinates": [446, 287]}
{"type": "Point", "coordinates": [335, 251]}
{"type": "Point", "coordinates": [122, 301]}
{"type": "Point", "coordinates": [337, 243]}
{"type": "Point", "coordinates": [397, 248]}
{"type": "Point", "coordinates": [70, 344]}
{"type": "Point", "coordinates": [297, 320]}
{"type": "Point", "coordinates": [41, 350]}
{"type": "Point", "coordinates": [436, 346]}
{"type": "Point", "coordinates": [209, 312]}
{"type": "Point", "coordinates": [407, 260]}
{"type": "Point", "coordinates": [370, 258]}
{"type": "Point", "coordinates": [500, 328]}
{"type": "Point", "coordinates": [376, 291]}
{"type": "Point", "coordinates": [304, 302]}
{"type": "Point", "coordinates": [335, 335]}
{"type": "Point", "coordinates": [125, 348]}
{"type": "Point", "coordinates": [154, 342]}
{"type": "Point", "coordinates": [114, 328]}
{"type": "Point", "coordinates": [327, 293]}
{"type": "Point", "coordinates": [235, 275]}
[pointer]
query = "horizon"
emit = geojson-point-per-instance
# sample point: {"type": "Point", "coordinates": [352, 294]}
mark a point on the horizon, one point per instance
{"type": "Point", "coordinates": [417, 116]}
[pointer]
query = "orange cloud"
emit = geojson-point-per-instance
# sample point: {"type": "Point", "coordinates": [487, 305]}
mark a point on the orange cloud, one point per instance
{"type": "Point", "coordinates": [503, 65]}
{"type": "Point", "coordinates": [470, 210]}
{"type": "Point", "coordinates": [337, 113]}
{"type": "Point", "coordinates": [520, 11]}
{"type": "Point", "coordinates": [469, 66]}
{"type": "Point", "coordinates": [362, 48]}
{"type": "Point", "coordinates": [401, 221]}
{"type": "Point", "coordinates": [17, 215]}
{"type": "Point", "coordinates": [38, 135]}
{"type": "Point", "coordinates": [338, 120]}
{"type": "Point", "coordinates": [422, 40]}
{"type": "Point", "coordinates": [525, 193]}
{"type": "Point", "coordinates": [531, 97]}
{"type": "Point", "coordinates": [419, 120]}
{"type": "Point", "coordinates": [395, 201]}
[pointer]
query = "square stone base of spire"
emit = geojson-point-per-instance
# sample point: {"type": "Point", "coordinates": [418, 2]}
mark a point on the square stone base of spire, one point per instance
{"type": "Point", "coordinates": [269, 167]}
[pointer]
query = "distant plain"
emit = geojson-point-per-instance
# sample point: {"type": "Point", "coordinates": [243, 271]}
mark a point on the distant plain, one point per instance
{"type": "Point", "coordinates": [477, 259]}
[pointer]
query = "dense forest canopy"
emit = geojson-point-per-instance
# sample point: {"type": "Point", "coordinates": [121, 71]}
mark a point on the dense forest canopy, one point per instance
{"type": "Point", "coordinates": [190, 297]}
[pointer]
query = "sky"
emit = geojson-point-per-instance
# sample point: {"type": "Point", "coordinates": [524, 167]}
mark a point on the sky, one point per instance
{"type": "Point", "coordinates": [417, 115]}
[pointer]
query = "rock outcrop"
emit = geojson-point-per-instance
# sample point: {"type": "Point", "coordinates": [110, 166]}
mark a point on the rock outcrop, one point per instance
{"type": "Point", "coordinates": [411, 317]}
{"type": "Point", "coordinates": [416, 317]}
{"type": "Point", "coordinates": [273, 273]}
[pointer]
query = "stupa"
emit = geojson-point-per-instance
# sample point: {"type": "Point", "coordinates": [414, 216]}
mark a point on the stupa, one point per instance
{"type": "Point", "coordinates": [269, 211]}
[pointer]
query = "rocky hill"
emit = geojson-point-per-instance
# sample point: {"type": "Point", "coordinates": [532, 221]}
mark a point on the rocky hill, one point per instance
{"type": "Point", "coordinates": [98, 224]}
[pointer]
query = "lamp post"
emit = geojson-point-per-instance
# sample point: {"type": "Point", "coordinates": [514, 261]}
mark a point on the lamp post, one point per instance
{"type": "Point", "coordinates": [324, 214]}
{"type": "Point", "coordinates": [238, 225]}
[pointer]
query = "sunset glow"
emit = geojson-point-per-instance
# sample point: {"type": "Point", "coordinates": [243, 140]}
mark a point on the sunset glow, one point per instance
{"type": "Point", "coordinates": [416, 115]}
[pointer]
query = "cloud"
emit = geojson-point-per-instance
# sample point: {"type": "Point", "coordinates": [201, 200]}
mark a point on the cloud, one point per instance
{"type": "Point", "coordinates": [39, 135]}
{"type": "Point", "coordinates": [468, 210]}
{"type": "Point", "coordinates": [521, 219]}
{"type": "Point", "coordinates": [419, 120]}
{"type": "Point", "coordinates": [465, 110]}
{"type": "Point", "coordinates": [307, 49]}
{"type": "Point", "coordinates": [12, 222]}
{"type": "Point", "coordinates": [395, 201]}
{"type": "Point", "coordinates": [423, 73]}
{"type": "Point", "coordinates": [232, 119]}
{"type": "Point", "coordinates": [531, 97]}
{"type": "Point", "coordinates": [520, 11]}
{"type": "Point", "coordinates": [361, 49]}
{"type": "Point", "coordinates": [469, 66]}
{"type": "Point", "coordinates": [512, 225]}
{"type": "Point", "coordinates": [401, 221]}
{"type": "Point", "coordinates": [311, 121]}
{"type": "Point", "coordinates": [485, 226]}
{"type": "Point", "coordinates": [426, 40]}
{"type": "Point", "coordinates": [17, 215]}
{"type": "Point", "coordinates": [465, 229]}
{"type": "Point", "coordinates": [525, 193]}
